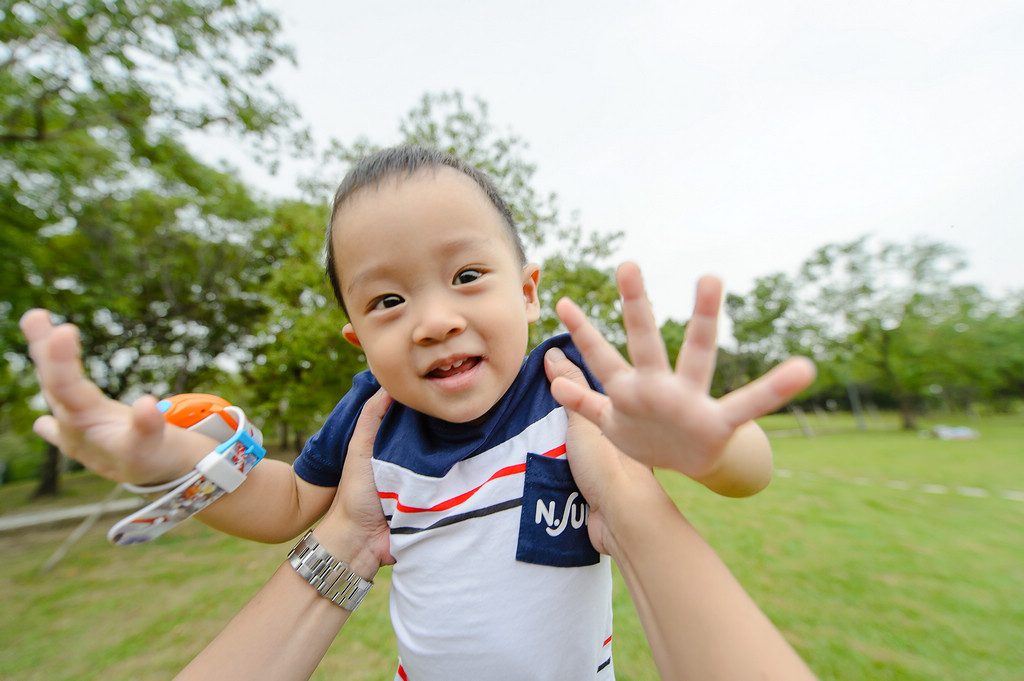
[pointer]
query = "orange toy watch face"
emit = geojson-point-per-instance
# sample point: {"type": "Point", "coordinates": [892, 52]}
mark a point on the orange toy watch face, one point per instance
{"type": "Point", "coordinates": [188, 409]}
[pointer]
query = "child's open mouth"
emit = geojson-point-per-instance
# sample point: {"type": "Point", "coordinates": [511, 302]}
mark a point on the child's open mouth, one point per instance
{"type": "Point", "coordinates": [454, 369]}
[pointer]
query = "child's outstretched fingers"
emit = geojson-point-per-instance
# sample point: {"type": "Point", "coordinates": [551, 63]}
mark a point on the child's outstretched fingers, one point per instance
{"type": "Point", "coordinates": [56, 353]}
{"type": "Point", "coordinates": [114, 440]}
{"type": "Point", "coordinates": [601, 357]}
{"type": "Point", "coordinates": [697, 356]}
{"type": "Point", "coordinates": [643, 339]}
{"type": "Point", "coordinates": [769, 392]}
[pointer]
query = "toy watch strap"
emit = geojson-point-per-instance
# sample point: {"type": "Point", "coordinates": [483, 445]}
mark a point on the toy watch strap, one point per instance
{"type": "Point", "coordinates": [220, 471]}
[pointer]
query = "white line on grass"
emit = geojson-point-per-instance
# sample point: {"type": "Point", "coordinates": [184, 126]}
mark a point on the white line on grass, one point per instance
{"type": "Point", "coordinates": [927, 488]}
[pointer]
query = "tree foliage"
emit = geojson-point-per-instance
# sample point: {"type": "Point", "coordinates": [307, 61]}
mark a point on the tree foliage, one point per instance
{"type": "Point", "coordinates": [301, 365]}
{"type": "Point", "coordinates": [108, 219]}
{"type": "Point", "coordinates": [95, 98]}
{"type": "Point", "coordinates": [889, 319]}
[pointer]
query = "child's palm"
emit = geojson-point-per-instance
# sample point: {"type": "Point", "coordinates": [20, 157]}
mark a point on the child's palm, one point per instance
{"type": "Point", "coordinates": [114, 440]}
{"type": "Point", "coordinates": [660, 416]}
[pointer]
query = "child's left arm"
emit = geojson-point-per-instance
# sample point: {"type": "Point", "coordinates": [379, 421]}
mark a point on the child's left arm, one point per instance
{"type": "Point", "coordinates": [666, 418]}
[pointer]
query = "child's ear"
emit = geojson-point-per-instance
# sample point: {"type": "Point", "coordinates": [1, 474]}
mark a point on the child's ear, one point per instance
{"type": "Point", "coordinates": [531, 295]}
{"type": "Point", "coordinates": [350, 335]}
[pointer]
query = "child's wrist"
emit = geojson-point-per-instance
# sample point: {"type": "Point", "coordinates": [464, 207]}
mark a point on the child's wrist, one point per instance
{"type": "Point", "coordinates": [176, 458]}
{"type": "Point", "coordinates": [219, 472]}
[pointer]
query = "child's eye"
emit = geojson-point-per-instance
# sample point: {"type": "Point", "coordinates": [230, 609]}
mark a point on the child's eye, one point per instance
{"type": "Point", "coordinates": [468, 276]}
{"type": "Point", "coordinates": [385, 302]}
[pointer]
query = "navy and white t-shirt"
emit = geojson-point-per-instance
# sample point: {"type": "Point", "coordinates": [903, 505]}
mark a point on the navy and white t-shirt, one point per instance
{"type": "Point", "coordinates": [495, 575]}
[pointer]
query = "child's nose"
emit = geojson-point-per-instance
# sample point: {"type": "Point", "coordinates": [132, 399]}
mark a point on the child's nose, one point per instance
{"type": "Point", "coordinates": [438, 319]}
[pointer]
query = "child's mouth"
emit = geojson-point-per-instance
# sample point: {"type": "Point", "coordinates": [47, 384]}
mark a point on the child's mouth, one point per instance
{"type": "Point", "coordinates": [454, 369]}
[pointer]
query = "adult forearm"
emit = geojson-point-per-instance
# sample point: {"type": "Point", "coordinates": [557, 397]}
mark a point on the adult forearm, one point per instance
{"type": "Point", "coordinates": [700, 622]}
{"type": "Point", "coordinates": [281, 634]}
{"type": "Point", "coordinates": [284, 631]}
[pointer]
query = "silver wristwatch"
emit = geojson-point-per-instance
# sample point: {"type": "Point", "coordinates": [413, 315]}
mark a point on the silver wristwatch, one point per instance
{"type": "Point", "coordinates": [332, 578]}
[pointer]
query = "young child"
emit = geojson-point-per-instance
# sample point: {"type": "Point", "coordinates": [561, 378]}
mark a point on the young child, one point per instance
{"type": "Point", "coordinates": [494, 574]}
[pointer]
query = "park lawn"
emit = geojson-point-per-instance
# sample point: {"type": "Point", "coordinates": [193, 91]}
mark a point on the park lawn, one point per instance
{"type": "Point", "coordinates": [880, 554]}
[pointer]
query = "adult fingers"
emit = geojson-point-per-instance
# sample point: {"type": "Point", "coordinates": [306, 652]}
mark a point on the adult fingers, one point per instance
{"type": "Point", "coordinates": [646, 347]}
{"type": "Point", "coordinates": [696, 361]}
{"type": "Point", "coordinates": [361, 444]}
{"type": "Point", "coordinates": [769, 392]}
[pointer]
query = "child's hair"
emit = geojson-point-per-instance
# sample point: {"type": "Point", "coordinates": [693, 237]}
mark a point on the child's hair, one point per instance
{"type": "Point", "coordinates": [405, 161]}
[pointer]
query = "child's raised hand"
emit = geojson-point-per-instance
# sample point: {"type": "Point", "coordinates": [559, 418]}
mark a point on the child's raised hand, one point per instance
{"type": "Point", "coordinates": [126, 444]}
{"type": "Point", "coordinates": [662, 417]}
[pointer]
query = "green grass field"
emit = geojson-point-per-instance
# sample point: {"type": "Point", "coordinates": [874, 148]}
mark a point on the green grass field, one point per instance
{"type": "Point", "coordinates": [880, 554]}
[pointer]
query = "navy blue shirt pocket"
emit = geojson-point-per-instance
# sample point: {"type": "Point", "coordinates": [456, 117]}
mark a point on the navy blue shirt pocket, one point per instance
{"type": "Point", "coordinates": [553, 523]}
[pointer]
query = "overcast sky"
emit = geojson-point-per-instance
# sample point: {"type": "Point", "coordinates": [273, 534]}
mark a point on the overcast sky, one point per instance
{"type": "Point", "coordinates": [729, 137]}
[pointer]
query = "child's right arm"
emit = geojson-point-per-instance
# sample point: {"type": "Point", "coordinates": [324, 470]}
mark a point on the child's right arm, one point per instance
{"type": "Point", "coordinates": [135, 445]}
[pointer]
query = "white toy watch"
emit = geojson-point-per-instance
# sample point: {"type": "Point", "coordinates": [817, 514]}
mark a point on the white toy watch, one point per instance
{"type": "Point", "coordinates": [219, 472]}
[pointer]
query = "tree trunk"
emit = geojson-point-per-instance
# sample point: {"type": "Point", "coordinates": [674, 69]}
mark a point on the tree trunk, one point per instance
{"type": "Point", "coordinates": [49, 475]}
{"type": "Point", "coordinates": [908, 413]}
{"type": "Point", "coordinates": [282, 434]}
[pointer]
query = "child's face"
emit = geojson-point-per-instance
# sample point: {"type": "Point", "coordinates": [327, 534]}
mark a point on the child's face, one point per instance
{"type": "Point", "coordinates": [436, 296]}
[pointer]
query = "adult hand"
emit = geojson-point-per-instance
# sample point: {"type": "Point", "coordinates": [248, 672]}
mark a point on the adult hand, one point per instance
{"type": "Point", "coordinates": [660, 416]}
{"type": "Point", "coordinates": [284, 631]}
{"type": "Point", "coordinates": [614, 485]}
{"type": "Point", "coordinates": [354, 528]}
{"type": "Point", "coordinates": [699, 621]}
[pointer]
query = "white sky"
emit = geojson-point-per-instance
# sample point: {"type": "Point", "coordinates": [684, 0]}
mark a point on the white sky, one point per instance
{"type": "Point", "coordinates": [732, 137]}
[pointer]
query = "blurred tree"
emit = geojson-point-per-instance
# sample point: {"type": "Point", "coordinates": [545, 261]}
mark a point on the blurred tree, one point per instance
{"type": "Point", "coordinates": [302, 365]}
{"type": "Point", "coordinates": [95, 100]}
{"type": "Point", "coordinates": [878, 308]}
{"type": "Point", "coordinates": [572, 262]}
{"type": "Point", "coordinates": [764, 327]}
{"type": "Point", "coordinates": [574, 270]}
{"type": "Point", "coordinates": [159, 291]}
{"type": "Point", "coordinates": [886, 319]}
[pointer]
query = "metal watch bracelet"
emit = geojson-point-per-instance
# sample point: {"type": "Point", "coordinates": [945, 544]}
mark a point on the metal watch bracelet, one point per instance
{"type": "Point", "coordinates": [332, 578]}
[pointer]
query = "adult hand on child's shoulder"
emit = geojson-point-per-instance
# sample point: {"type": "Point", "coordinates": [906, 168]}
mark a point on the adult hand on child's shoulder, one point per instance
{"type": "Point", "coordinates": [354, 528]}
{"type": "Point", "coordinates": [614, 485]}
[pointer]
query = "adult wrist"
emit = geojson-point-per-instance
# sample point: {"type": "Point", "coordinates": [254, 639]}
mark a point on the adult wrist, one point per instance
{"type": "Point", "coordinates": [635, 520]}
{"type": "Point", "coordinates": [350, 545]}
{"type": "Point", "coordinates": [333, 577]}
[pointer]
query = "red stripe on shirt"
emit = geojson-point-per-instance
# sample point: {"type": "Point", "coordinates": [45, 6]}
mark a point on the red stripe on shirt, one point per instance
{"type": "Point", "coordinates": [455, 501]}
